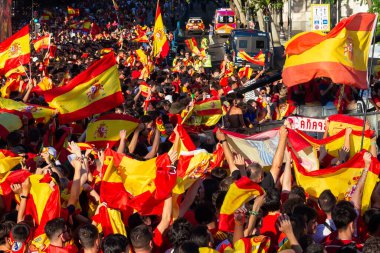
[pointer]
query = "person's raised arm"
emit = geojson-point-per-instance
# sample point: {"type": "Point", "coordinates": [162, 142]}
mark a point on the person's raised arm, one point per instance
{"type": "Point", "coordinates": [132, 145]}
{"type": "Point", "coordinates": [75, 187]}
{"type": "Point", "coordinates": [356, 197]}
{"type": "Point", "coordinates": [166, 215]}
{"type": "Point", "coordinates": [259, 201]}
{"type": "Point", "coordinates": [25, 189]}
{"type": "Point", "coordinates": [226, 149]}
{"type": "Point", "coordinates": [29, 88]}
{"type": "Point", "coordinates": [285, 226]}
{"type": "Point", "coordinates": [287, 175]}
{"type": "Point", "coordinates": [279, 155]}
{"type": "Point", "coordinates": [189, 197]}
{"type": "Point", "coordinates": [156, 142]}
{"type": "Point", "coordinates": [123, 139]}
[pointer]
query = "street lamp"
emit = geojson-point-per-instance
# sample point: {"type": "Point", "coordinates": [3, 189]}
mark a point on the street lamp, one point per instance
{"type": "Point", "coordinates": [289, 19]}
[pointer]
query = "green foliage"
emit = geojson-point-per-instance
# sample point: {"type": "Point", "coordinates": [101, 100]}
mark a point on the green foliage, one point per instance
{"type": "Point", "coordinates": [375, 8]}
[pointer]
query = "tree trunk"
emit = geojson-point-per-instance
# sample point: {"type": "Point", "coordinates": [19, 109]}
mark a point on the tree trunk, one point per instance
{"type": "Point", "coordinates": [369, 2]}
{"type": "Point", "coordinates": [239, 10]}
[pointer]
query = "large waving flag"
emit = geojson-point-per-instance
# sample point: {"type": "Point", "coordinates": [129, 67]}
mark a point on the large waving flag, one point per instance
{"type": "Point", "coordinates": [258, 59]}
{"type": "Point", "coordinates": [39, 113]}
{"type": "Point", "coordinates": [204, 113]}
{"type": "Point", "coordinates": [44, 202]}
{"type": "Point", "coordinates": [160, 41]}
{"type": "Point", "coordinates": [238, 193]}
{"type": "Point", "coordinates": [93, 91]}
{"type": "Point", "coordinates": [345, 53]}
{"type": "Point", "coordinates": [258, 244]}
{"type": "Point", "coordinates": [15, 51]}
{"type": "Point", "coordinates": [10, 120]}
{"type": "Point", "coordinates": [41, 43]}
{"type": "Point", "coordinates": [141, 185]}
{"type": "Point", "coordinates": [142, 57]}
{"type": "Point", "coordinates": [10, 177]}
{"type": "Point", "coordinates": [338, 122]}
{"type": "Point", "coordinates": [11, 84]}
{"type": "Point", "coordinates": [341, 179]}
{"type": "Point", "coordinates": [105, 129]}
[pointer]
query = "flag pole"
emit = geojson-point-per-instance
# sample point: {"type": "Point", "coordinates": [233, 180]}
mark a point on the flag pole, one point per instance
{"type": "Point", "coordinates": [369, 80]}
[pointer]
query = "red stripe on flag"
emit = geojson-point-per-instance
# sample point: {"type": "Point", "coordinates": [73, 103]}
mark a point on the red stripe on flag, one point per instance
{"type": "Point", "coordinates": [6, 43]}
{"type": "Point", "coordinates": [114, 194]}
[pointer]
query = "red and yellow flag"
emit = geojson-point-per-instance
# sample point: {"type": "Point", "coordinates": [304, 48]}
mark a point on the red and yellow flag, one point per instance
{"type": "Point", "coordinates": [11, 84]}
{"type": "Point", "coordinates": [193, 46]}
{"type": "Point", "coordinates": [160, 41]}
{"type": "Point", "coordinates": [141, 56]}
{"type": "Point", "coordinates": [245, 71]}
{"type": "Point", "coordinates": [258, 59]}
{"type": "Point", "coordinates": [144, 88]}
{"type": "Point", "coordinates": [44, 202]}
{"type": "Point", "coordinates": [238, 193]}
{"type": "Point", "coordinates": [39, 113]}
{"type": "Point", "coordinates": [15, 51]}
{"type": "Point", "coordinates": [110, 221]}
{"type": "Point", "coordinates": [72, 12]}
{"type": "Point", "coordinates": [8, 161]}
{"type": "Point", "coordinates": [141, 185]}
{"type": "Point", "coordinates": [105, 130]}
{"type": "Point", "coordinates": [10, 177]}
{"type": "Point", "coordinates": [338, 122]}
{"type": "Point", "coordinates": [204, 113]}
{"type": "Point", "coordinates": [141, 39]}
{"type": "Point", "coordinates": [93, 91]}
{"type": "Point", "coordinates": [10, 120]}
{"type": "Point", "coordinates": [345, 53]}
{"type": "Point", "coordinates": [45, 84]}
{"type": "Point", "coordinates": [259, 243]}
{"type": "Point", "coordinates": [41, 43]}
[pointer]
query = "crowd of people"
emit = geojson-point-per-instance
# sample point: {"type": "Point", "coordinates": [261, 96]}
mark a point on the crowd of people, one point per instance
{"type": "Point", "coordinates": [284, 219]}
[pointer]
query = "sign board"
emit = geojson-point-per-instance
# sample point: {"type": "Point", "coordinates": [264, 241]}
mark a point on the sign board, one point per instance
{"type": "Point", "coordinates": [320, 17]}
{"type": "Point", "coordinates": [307, 124]}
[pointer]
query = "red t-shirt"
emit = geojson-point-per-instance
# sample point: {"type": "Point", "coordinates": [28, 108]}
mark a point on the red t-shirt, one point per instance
{"type": "Point", "coordinates": [157, 240]}
{"type": "Point", "coordinates": [270, 229]}
{"type": "Point", "coordinates": [66, 249]}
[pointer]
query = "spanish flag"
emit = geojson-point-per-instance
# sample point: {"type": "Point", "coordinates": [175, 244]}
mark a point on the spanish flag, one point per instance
{"type": "Point", "coordinates": [11, 84]}
{"type": "Point", "coordinates": [259, 243]}
{"type": "Point", "coordinates": [39, 113]}
{"type": "Point", "coordinates": [105, 129]}
{"type": "Point", "coordinates": [110, 221]}
{"type": "Point", "coordinates": [142, 57]}
{"type": "Point", "coordinates": [10, 120]}
{"type": "Point", "coordinates": [258, 59]}
{"type": "Point", "coordinates": [15, 51]}
{"type": "Point", "coordinates": [204, 113]}
{"type": "Point", "coordinates": [141, 185]}
{"type": "Point", "coordinates": [338, 122]}
{"type": "Point", "coordinates": [45, 84]}
{"type": "Point", "coordinates": [144, 88]}
{"type": "Point", "coordinates": [41, 43]}
{"type": "Point", "coordinates": [245, 71]}
{"type": "Point", "coordinates": [72, 12]}
{"type": "Point", "coordinates": [193, 46]}
{"type": "Point", "coordinates": [160, 41]}
{"type": "Point", "coordinates": [93, 91]}
{"type": "Point", "coordinates": [341, 179]}
{"type": "Point", "coordinates": [86, 26]}
{"type": "Point", "coordinates": [8, 161]}
{"type": "Point", "coordinates": [341, 55]}
{"type": "Point", "coordinates": [43, 203]}
{"type": "Point", "coordinates": [105, 50]}
{"type": "Point", "coordinates": [238, 193]}
{"type": "Point", "coordinates": [10, 177]}
{"type": "Point", "coordinates": [141, 39]}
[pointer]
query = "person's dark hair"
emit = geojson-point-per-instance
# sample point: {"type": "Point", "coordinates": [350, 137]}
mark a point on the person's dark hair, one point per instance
{"type": "Point", "coordinates": [54, 227]}
{"type": "Point", "coordinates": [290, 204]}
{"type": "Point", "coordinates": [327, 201]}
{"type": "Point", "coordinates": [218, 199]}
{"type": "Point", "coordinates": [205, 213]}
{"type": "Point", "coordinates": [141, 237]}
{"type": "Point", "coordinates": [179, 232]}
{"type": "Point", "coordinates": [348, 248]}
{"type": "Point", "coordinates": [315, 248]}
{"type": "Point", "coordinates": [372, 245]}
{"type": "Point", "coordinates": [20, 232]}
{"type": "Point", "coordinates": [298, 191]}
{"type": "Point", "coordinates": [225, 184]}
{"type": "Point", "coordinates": [374, 223]}
{"type": "Point", "coordinates": [210, 186]}
{"type": "Point", "coordinates": [88, 234]}
{"type": "Point", "coordinates": [254, 171]}
{"type": "Point", "coordinates": [219, 174]}
{"type": "Point", "coordinates": [201, 236]}
{"type": "Point", "coordinates": [115, 243]}
{"type": "Point", "coordinates": [187, 247]}
{"type": "Point", "coordinates": [308, 212]}
{"type": "Point", "coordinates": [5, 229]}
{"type": "Point", "coordinates": [13, 139]}
{"type": "Point", "coordinates": [343, 214]}
{"type": "Point", "coordinates": [272, 200]}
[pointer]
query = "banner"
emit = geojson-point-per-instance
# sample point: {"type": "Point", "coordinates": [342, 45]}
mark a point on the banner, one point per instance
{"type": "Point", "coordinates": [307, 124]}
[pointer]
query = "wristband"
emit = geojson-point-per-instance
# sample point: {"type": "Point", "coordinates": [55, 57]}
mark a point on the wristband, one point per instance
{"type": "Point", "coordinates": [23, 197]}
{"type": "Point", "coordinates": [254, 213]}
{"type": "Point", "coordinates": [222, 141]}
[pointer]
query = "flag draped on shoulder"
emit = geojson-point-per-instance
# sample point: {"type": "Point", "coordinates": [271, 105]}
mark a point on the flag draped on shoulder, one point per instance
{"type": "Point", "coordinates": [93, 91]}
{"type": "Point", "coordinates": [15, 51]}
{"type": "Point", "coordinates": [43, 203]}
{"type": "Point", "coordinates": [341, 55]}
{"type": "Point", "coordinates": [105, 129]}
{"type": "Point", "coordinates": [238, 193]}
{"type": "Point", "coordinates": [204, 113]}
{"type": "Point", "coordinates": [140, 185]}
{"type": "Point", "coordinates": [258, 59]}
{"type": "Point", "coordinates": [160, 41]}
{"type": "Point", "coordinates": [39, 113]}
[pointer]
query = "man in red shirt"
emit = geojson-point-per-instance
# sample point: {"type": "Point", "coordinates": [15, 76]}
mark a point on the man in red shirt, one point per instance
{"type": "Point", "coordinates": [59, 236]}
